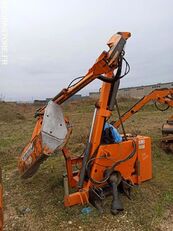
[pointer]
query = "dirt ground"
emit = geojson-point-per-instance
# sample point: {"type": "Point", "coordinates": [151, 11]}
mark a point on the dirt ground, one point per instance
{"type": "Point", "coordinates": [167, 222]}
{"type": "Point", "coordinates": [36, 204]}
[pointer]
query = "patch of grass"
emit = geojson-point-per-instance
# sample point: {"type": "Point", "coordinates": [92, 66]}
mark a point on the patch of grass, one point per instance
{"type": "Point", "coordinates": [43, 193]}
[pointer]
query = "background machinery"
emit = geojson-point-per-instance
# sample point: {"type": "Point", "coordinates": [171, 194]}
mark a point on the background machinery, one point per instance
{"type": "Point", "coordinates": [105, 167]}
{"type": "Point", "coordinates": [160, 97]}
{"type": "Point", "coordinates": [167, 135]}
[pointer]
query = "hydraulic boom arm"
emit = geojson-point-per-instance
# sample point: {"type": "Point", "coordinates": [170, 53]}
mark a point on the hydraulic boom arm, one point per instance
{"type": "Point", "coordinates": [51, 130]}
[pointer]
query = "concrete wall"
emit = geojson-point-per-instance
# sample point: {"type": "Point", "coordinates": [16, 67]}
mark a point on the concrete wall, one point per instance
{"type": "Point", "coordinates": [136, 92]}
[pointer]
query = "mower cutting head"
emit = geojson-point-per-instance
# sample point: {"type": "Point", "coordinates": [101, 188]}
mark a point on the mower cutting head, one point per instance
{"type": "Point", "coordinates": [50, 133]}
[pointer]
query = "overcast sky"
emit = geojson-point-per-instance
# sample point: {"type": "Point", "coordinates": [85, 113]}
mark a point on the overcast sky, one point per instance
{"type": "Point", "coordinates": [51, 42]}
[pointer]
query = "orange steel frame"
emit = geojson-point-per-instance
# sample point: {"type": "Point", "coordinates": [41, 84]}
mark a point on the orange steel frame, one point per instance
{"type": "Point", "coordinates": [135, 170]}
{"type": "Point", "coordinates": [112, 152]}
{"type": "Point", "coordinates": [102, 113]}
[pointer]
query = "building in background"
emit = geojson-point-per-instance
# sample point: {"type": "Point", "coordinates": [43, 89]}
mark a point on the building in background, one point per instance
{"type": "Point", "coordinates": [136, 92]}
{"type": "Point", "coordinates": [132, 92]}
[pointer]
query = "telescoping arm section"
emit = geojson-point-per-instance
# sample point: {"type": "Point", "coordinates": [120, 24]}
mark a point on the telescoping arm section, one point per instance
{"type": "Point", "coordinates": [51, 130]}
{"type": "Point", "coordinates": [163, 96]}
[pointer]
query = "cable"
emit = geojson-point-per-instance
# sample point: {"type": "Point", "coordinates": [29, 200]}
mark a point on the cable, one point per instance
{"type": "Point", "coordinates": [103, 78]}
{"type": "Point", "coordinates": [127, 65]}
{"type": "Point", "coordinates": [70, 84]}
{"type": "Point", "coordinates": [109, 172]}
{"type": "Point", "coordinates": [127, 68]}
{"type": "Point", "coordinates": [160, 109]}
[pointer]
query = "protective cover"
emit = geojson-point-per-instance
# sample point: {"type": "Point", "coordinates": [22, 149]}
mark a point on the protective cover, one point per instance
{"type": "Point", "coordinates": [54, 129]}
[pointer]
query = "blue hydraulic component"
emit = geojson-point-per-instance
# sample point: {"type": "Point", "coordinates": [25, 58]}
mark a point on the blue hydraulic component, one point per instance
{"type": "Point", "coordinates": [115, 134]}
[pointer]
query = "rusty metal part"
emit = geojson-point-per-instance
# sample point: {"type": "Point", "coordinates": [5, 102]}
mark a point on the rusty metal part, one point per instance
{"type": "Point", "coordinates": [30, 171]}
{"type": "Point", "coordinates": [167, 129]}
{"type": "Point", "coordinates": [167, 144]}
{"type": "Point", "coordinates": [167, 138]}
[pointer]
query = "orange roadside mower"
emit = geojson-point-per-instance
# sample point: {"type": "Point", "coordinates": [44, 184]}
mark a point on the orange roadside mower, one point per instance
{"type": "Point", "coordinates": [107, 166]}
